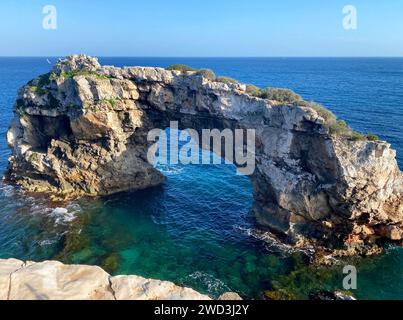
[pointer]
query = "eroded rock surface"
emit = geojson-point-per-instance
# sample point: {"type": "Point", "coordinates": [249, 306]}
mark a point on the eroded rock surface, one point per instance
{"type": "Point", "coordinates": [81, 130]}
{"type": "Point", "coordinates": [52, 280]}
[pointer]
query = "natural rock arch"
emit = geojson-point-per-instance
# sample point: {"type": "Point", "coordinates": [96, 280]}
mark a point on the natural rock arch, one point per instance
{"type": "Point", "coordinates": [82, 130]}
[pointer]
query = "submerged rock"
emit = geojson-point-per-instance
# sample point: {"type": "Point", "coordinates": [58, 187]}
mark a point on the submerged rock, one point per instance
{"type": "Point", "coordinates": [111, 262]}
{"type": "Point", "coordinates": [279, 295]}
{"type": "Point", "coordinates": [82, 130]}
{"type": "Point", "coordinates": [52, 280]}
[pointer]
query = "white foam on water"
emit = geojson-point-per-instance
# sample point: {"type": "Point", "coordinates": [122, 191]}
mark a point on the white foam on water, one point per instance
{"type": "Point", "coordinates": [46, 242]}
{"type": "Point", "coordinates": [63, 215]}
{"type": "Point", "coordinates": [8, 190]}
{"type": "Point", "coordinates": [169, 170]}
{"type": "Point", "coordinates": [270, 240]}
{"type": "Point", "coordinates": [213, 285]}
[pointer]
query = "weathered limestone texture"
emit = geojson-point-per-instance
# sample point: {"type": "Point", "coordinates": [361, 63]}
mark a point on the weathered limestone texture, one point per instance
{"type": "Point", "coordinates": [52, 280]}
{"type": "Point", "coordinates": [82, 129]}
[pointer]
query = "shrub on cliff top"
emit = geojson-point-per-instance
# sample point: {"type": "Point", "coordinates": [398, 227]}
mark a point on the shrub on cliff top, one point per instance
{"type": "Point", "coordinates": [357, 136]}
{"type": "Point", "coordinates": [181, 68]}
{"type": "Point", "coordinates": [112, 102]}
{"type": "Point", "coordinates": [207, 73]}
{"type": "Point", "coordinates": [323, 112]}
{"type": "Point", "coordinates": [335, 127]}
{"type": "Point", "coordinates": [372, 137]}
{"type": "Point", "coordinates": [277, 94]}
{"type": "Point", "coordinates": [280, 94]}
{"type": "Point", "coordinates": [339, 128]}
{"type": "Point", "coordinates": [227, 80]}
{"type": "Point", "coordinates": [254, 90]}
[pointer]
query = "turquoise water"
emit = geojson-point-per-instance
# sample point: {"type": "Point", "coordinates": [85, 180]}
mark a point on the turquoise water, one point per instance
{"type": "Point", "coordinates": [196, 229]}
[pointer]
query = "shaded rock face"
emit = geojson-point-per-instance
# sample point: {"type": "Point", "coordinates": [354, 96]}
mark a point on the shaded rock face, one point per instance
{"type": "Point", "coordinates": [52, 280]}
{"type": "Point", "coordinates": [82, 130]}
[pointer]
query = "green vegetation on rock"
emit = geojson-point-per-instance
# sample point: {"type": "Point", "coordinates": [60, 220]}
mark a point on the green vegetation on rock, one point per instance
{"type": "Point", "coordinates": [112, 102]}
{"type": "Point", "coordinates": [37, 90]}
{"type": "Point", "coordinates": [207, 73]}
{"type": "Point", "coordinates": [280, 94]}
{"type": "Point", "coordinates": [357, 136]}
{"type": "Point", "coordinates": [276, 94]}
{"type": "Point", "coordinates": [227, 80]}
{"type": "Point", "coordinates": [372, 137]}
{"type": "Point", "coordinates": [53, 76]}
{"type": "Point", "coordinates": [33, 157]}
{"type": "Point", "coordinates": [253, 90]}
{"type": "Point", "coordinates": [74, 73]}
{"type": "Point", "coordinates": [280, 294]}
{"type": "Point", "coordinates": [111, 263]}
{"type": "Point", "coordinates": [53, 102]}
{"type": "Point", "coordinates": [336, 127]}
{"type": "Point", "coordinates": [181, 68]}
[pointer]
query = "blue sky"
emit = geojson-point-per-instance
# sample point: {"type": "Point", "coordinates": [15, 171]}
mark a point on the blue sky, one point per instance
{"type": "Point", "coordinates": [202, 28]}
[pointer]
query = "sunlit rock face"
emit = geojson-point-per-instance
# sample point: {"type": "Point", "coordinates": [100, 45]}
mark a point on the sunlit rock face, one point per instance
{"type": "Point", "coordinates": [53, 280]}
{"type": "Point", "coordinates": [82, 130]}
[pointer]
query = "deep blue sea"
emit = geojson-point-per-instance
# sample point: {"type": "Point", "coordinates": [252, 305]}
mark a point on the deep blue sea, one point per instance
{"type": "Point", "coordinates": [196, 229]}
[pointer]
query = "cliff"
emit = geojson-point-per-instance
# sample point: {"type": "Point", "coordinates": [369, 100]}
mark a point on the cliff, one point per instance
{"type": "Point", "coordinates": [82, 130]}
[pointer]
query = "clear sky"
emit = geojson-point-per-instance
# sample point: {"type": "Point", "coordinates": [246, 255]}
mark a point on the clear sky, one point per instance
{"type": "Point", "coordinates": [202, 28]}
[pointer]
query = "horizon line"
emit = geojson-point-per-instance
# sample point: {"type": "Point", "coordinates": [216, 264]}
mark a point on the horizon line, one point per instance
{"type": "Point", "coordinates": [205, 57]}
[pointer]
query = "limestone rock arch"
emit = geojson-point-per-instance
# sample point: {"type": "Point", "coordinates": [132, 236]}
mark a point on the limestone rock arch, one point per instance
{"type": "Point", "coordinates": [82, 130]}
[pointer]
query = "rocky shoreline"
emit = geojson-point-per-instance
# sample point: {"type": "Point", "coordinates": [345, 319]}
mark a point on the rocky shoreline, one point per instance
{"type": "Point", "coordinates": [53, 280]}
{"type": "Point", "coordinates": [81, 130]}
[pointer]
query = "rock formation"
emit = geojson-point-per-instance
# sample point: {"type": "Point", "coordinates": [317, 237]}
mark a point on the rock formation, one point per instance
{"type": "Point", "coordinates": [52, 280]}
{"type": "Point", "coordinates": [82, 130]}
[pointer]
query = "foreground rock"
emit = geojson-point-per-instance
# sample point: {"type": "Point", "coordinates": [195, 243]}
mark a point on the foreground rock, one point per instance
{"type": "Point", "coordinates": [82, 129]}
{"type": "Point", "coordinates": [52, 280]}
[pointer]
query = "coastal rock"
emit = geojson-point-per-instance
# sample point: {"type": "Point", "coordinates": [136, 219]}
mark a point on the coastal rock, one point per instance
{"type": "Point", "coordinates": [82, 130]}
{"type": "Point", "coordinates": [52, 280]}
{"type": "Point", "coordinates": [392, 232]}
{"type": "Point", "coordinates": [7, 268]}
{"type": "Point", "coordinates": [230, 296]}
{"type": "Point", "coordinates": [138, 288]}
